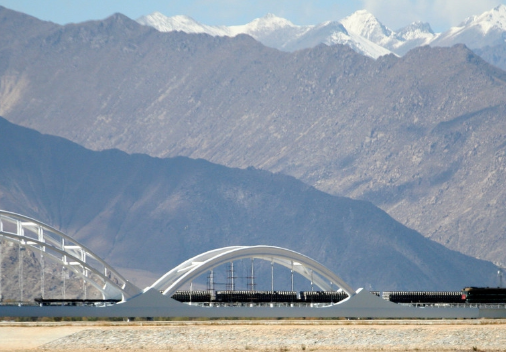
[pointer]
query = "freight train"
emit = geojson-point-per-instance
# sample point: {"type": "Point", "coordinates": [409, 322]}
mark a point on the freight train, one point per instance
{"type": "Point", "coordinates": [260, 296]}
{"type": "Point", "coordinates": [467, 295]}
{"type": "Point", "coordinates": [428, 297]}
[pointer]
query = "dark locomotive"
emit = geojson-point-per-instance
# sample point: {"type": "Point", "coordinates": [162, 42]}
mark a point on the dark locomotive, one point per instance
{"type": "Point", "coordinates": [484, 295]}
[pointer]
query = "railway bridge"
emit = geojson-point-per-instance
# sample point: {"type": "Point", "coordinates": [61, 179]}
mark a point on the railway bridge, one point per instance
{"type": "Point", "coordinates": [57, 254]}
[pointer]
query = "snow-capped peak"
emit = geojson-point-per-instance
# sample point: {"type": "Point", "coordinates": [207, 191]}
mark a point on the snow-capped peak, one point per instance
{"type": "Point", "coordinates": [366, 25]}
{"type": "Point", "coordinates": [489, 28]}
{"type": "Point", "coordinates": [495, 18]}
{"type": "Point", "coordinates": [270, 21]}
{"type": "Point", "coordinates": [180, 23]}
{"type": "Point", "coordinates": [263, 25]}
{"type": "Point", "coordinates": [416, 30]}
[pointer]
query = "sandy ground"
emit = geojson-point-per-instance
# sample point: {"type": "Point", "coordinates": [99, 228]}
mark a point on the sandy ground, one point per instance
{"type": "Point", "coordinates": [22, 338]}
{"type": "Point", "coordinates": [423, 335]}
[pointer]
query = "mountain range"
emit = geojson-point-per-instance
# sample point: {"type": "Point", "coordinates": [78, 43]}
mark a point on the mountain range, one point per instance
{"type": "Point", "coordinates": [272, 31]}
{"type": "Point", "coordinates": [362, 31]}
{"type": "Point", "coordinates": [421, 136]}
{"type": "Point", "coordinates": [146, 215]}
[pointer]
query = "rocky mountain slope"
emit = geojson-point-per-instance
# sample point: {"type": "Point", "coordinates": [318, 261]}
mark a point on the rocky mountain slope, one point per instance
{"type": "Point", "coordinates": [421, 136]}
{"type": "Point", "coordinates": [147, 213]}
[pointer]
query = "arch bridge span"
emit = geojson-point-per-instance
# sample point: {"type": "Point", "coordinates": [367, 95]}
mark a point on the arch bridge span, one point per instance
{"type": "Point", "coordinates": [156, 299]}
{"type": "Point", "coordinates": [54, 245]}
{"type": "Point", "coordinates": [189, 270]}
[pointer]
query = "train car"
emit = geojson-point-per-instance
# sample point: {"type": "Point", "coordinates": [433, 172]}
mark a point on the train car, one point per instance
{"type": "Point", "coordinates": [192, 296]}
{"type": "Point", "coordinates": [256, 296]}
{"type": "Point", "coordinates": [424, 297]}
{"type": "Point", "coordinates": [260, 296]}
{"type": "Point", "coordinates": [73, 302]}
{"type": "Point", "coordinates": [322, 296]}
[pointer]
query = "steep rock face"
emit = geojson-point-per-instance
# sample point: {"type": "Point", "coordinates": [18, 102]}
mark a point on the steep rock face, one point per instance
{"type": "Point", "coordinates": [147, 213]}
{"type": "Point", "coordinates": [420, 136]}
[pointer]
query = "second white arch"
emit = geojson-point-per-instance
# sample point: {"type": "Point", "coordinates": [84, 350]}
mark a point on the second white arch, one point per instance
{"type": "Point", "coordinates": [189, 270]}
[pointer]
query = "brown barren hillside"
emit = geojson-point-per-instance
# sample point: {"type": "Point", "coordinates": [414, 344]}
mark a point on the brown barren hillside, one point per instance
{"type": "Point", "coordinates": [145, 213]}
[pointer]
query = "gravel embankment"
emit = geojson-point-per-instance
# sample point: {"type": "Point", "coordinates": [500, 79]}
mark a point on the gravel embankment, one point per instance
{"type": "Point", "coordinates": [291, 337]}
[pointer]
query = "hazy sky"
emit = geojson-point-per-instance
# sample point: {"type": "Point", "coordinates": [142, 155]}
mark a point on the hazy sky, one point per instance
{"type": "Point", "coordinates": [441, 14]}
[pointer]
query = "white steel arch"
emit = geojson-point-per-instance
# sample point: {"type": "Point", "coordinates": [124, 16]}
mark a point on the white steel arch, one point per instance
{"type": "Point", "coordinates": [62, 249]}
{"type": "Point", "coordinates": [187, 271]}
